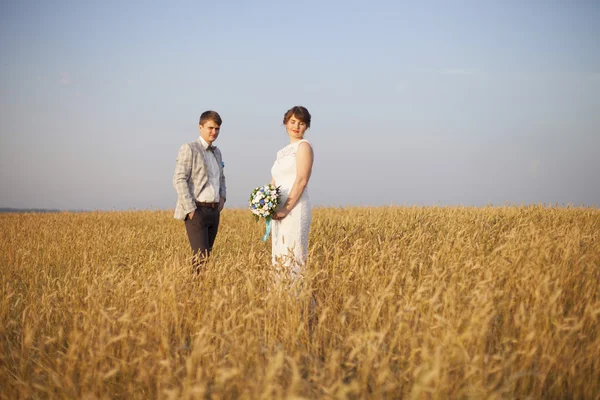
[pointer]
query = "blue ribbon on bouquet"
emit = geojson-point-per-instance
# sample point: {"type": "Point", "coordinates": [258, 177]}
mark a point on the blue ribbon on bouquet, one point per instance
{"type": "Point", "coordinates": [267, 228]}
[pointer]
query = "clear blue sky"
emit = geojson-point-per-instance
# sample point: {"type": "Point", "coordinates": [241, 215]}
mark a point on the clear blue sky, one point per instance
{"type": "Point", "coordinates": [422, 103]}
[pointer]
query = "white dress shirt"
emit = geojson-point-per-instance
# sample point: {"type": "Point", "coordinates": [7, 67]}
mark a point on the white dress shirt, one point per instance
{"type": "Point", "coordinates": [210, 191]}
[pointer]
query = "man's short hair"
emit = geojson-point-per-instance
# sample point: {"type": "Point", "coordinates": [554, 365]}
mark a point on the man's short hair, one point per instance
{"type": "Point", "coordinates": [210, 116]}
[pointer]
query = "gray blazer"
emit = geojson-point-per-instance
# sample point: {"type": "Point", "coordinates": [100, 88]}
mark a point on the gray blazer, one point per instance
{"type": "Point", "coordinates": [191, 175]}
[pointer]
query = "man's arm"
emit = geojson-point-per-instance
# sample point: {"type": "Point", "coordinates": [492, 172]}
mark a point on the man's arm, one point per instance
{"type": "Point", "coordinates": [183, 170]}
{"type": "Point", "coordinates": [222, 185]}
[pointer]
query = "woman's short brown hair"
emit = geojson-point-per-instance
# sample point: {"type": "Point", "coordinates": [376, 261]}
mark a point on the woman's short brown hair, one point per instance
{"type": "Point", "coordinates": [300, 113]}
{"type": "Point", "coordinates": [210, 116]}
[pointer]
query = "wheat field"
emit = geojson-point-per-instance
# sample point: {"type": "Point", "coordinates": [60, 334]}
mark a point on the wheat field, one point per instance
{"type": "Point", "coordinates": [412, 302]}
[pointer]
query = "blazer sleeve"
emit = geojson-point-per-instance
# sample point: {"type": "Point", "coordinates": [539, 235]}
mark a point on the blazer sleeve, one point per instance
{"type": "Point", "coordinates": [183, 170]}
{"type": "Point", "coordinates": [222, 185]}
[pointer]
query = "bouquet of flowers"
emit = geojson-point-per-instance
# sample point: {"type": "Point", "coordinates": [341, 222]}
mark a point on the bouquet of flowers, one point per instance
{"type": "Point", "coordinates": [263, 202]}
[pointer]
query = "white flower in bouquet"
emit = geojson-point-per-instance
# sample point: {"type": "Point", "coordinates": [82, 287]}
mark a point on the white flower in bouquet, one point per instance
{"type": "Point", "coordinates": [263, 202]}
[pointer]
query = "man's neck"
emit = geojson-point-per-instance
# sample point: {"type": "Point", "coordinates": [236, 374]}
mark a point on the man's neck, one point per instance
{"type": "Point", "coordinates": [206, 143]}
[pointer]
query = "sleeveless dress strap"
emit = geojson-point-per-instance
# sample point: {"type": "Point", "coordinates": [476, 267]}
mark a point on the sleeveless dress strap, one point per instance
{"type": "Point", "coordinates": [303, 140]}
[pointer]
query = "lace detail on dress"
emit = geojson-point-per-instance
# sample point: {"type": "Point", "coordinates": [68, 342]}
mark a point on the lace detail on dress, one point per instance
{"type": "Point", "coordinates": [290, 235]}
{"type": "Point", "coordinates": [287, 151]}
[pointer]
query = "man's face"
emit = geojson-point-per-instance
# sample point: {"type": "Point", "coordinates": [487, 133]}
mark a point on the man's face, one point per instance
{"type": "Point", "coordinates": [209, 131]}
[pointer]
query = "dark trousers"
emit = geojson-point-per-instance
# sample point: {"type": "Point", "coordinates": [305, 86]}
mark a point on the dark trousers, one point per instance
{"type": "Point", "coordinates": [202, 231]}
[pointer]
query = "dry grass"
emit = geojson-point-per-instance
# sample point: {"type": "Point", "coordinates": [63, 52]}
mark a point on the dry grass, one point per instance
{"type": "Point", "coordinates": [414, 302]}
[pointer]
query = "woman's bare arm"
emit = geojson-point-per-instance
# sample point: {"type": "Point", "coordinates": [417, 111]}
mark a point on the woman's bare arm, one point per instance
{"type": "Point", "coordinates": [304, 163]}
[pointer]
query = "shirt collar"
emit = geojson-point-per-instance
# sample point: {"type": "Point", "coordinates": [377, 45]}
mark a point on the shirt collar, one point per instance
{"type": "Point", "coordinates": [204, 143]}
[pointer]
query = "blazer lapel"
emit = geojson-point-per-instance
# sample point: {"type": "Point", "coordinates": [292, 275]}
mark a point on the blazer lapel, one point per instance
{"type": "Point", "coordinates": [219, 159]}
{"type": "Point", "coordinates": [201, 153]}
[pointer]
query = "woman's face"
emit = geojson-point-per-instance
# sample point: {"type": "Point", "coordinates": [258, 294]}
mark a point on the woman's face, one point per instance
{"type": "Point", "coordinates": [295, 127]}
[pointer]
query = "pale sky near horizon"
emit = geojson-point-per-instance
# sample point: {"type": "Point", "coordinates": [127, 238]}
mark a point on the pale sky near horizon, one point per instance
{"type": "Point", "coordinates": [413, 103]}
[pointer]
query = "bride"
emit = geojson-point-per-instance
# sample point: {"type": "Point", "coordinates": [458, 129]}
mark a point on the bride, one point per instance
{"type": "Point", "coordinates": [291, 172]}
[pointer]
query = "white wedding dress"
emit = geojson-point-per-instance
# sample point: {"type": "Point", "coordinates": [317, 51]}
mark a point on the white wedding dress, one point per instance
{"type": "Point", "coordinates": [290, 234]}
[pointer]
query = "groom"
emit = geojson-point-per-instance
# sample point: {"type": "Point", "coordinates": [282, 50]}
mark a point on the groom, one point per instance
{"type": "Point", "coordinates": [200, 185]}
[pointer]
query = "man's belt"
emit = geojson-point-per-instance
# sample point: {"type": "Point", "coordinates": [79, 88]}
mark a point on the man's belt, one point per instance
{"type": "Point", "coordinates": [209, 205]}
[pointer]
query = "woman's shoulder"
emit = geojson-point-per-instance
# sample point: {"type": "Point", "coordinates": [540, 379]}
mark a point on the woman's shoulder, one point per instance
{"type": "Point", "coordinates": [304, 144]}
{"type": "Point", "coordinates": [300, 142]}
{"type": "Point", "coordinates": [292, 148]}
